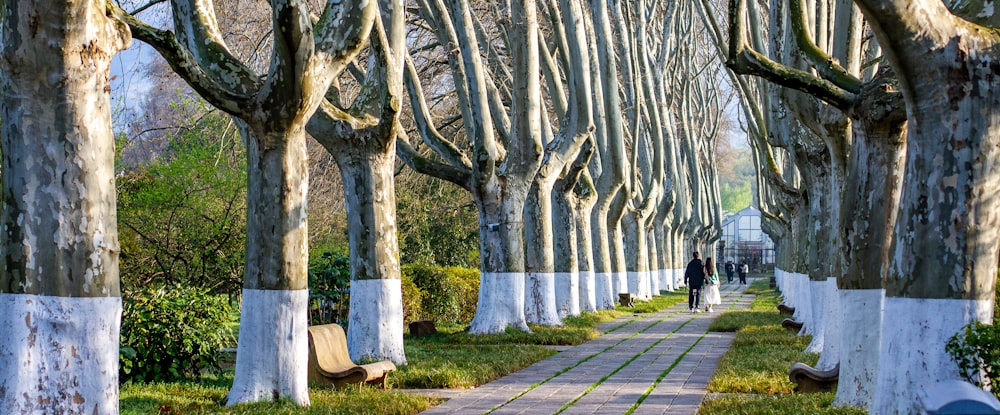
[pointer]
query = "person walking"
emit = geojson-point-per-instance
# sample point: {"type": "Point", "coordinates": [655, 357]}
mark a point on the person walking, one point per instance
{"type": "Point", "coordinates": [730, 269]}
{"type": "Point", "coordinates": [712, 296]}
{"type": "Point", "coordinates": [694, 278]}
{"type": "Point", "coordinates": [744, 269]}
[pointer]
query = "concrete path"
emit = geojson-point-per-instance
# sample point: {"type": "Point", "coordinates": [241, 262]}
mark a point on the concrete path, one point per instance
{"type": "Point", "coordinates": [657, 363]}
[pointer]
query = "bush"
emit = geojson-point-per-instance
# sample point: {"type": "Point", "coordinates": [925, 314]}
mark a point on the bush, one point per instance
{"type": "Point", "coordinates": [447, 294]}
{"type": "Point", "coordinates": [329, 281]}
{"type": "Point", "coordinates": [173, 333]}
{"type": "Point", "coordinates": [977, 352]}
{"type": "Point", "coordinates": [412, 295]}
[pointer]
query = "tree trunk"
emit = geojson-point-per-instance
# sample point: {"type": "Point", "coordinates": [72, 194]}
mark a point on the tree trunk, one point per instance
{"type": "Point", "coordinates": [501, 253]}
{"type": "Point", "coordinates": [60, 304]}
{"type": "Point", "coordinates": [868, 213]}
{"type": "Point", "coordinates": [565, 248]}
{"type": "Point", "coordinates": [943, 259]}
{"type": "Point", "coordinates": [272, 352]}
{"type": "Point", "coordinates": [375, 329]}
{"type": "Point", "coordinates": [540, 286]}
{"type": "Point", "coordinates": [586, 198]}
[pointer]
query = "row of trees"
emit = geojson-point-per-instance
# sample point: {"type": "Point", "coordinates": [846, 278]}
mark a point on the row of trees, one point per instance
{"type": "Point", "coordinates": [874, 132]}
{"type": "Point", "coordinates": [586, 140]}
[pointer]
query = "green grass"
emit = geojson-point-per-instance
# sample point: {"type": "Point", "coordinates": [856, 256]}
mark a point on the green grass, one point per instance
{"type": "Point", "coordinates": [462, 366]}
{"type": "Point", "coordinates": [791, 404]}
{"type": "Point", "coordinates": [206, 397]}
{"type": "Point", "coordinates": [451, 358]}
{"type": "Point", "coordinates": [755, 369]}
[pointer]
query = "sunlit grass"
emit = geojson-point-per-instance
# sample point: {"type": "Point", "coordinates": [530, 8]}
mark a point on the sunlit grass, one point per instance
{"type": "Point", "coordinates": [791, 404]}
{"type": "Point", "coordinates": [450, 358]}
{"type": "Point", "coordinates": [755, 369]}
{"type": "Point", "coordinates": [207, 397]}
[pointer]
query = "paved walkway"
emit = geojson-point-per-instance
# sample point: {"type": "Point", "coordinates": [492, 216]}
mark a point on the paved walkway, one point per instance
{"type": "Point", "coordinates": [657, 363]}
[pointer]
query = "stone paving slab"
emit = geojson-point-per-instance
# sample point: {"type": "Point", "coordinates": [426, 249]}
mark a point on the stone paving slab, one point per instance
{"type": "Point", "coordinates": [664, 358]}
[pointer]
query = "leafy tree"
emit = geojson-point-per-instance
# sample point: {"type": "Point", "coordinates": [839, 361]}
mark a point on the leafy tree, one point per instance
{"type": "Point", "coordinates": [182, 216]}
{"type": "Point", "coordinates": [735, 197]}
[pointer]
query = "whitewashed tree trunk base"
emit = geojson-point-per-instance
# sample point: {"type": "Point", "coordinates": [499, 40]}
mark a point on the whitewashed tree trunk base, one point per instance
{"type": "Point", "coordinates": [619, 281]}
{"type": "Point", "coordinates": [604, 294]}
{"type": "Point", "coordinates": [638, 284]}
{"type": "Point", "coordinates": [862, 311]}
{"type": "Point", "coordinates": [501, 303]}
{"type": "Point", "coordinates": [654, 283]}
{"type": "Point", "coordinates": [666, 277]}
{"type": "Point", "coordinates": [588, 292]}
{"type": "Point", "coordinates": [272, 354]}
{"type": "Point", "coordinates": [59, 355]}
{"type": "Point", "coordinates": [678, 277]}
{"type": "Point", "coordinates": [540, 299]}
{"type": "Point", "coordinates": [814, 325]}
{"type": "Point", "coordinates": [803, 309]}
{"type": "Point", "coordinates": [915, 331]}
{"type": "Point", "coordinates": [375, 326]}
{"type": "Point", "coordinates": [830, 355]}
{"type": "Point", "coordinates": [567, 294]}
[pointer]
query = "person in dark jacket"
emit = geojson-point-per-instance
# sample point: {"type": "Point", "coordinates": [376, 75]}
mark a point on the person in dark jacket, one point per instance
{"type": "Point", "coordinates": [694, 278]}
{"type": "Point", "coordinates": [730, 269]}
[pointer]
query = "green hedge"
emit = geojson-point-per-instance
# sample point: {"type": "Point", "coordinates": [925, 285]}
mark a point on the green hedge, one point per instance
{"type": "Point", "coordinates": [445, 294]}
{"type": "Point", "coordinates": [173, 333]}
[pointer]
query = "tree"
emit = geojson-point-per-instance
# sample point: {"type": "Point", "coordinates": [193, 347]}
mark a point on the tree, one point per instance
{"type": "Point", "coordinates": [943, 258]}
{"type": "Point", "coordinates": [502, 157]}
{"type": "Point", "coordinates": [364, 147]}
{"type": "Point", "coordinates": [182, 216]}
{"type": "Point", "coordinates": [272, 110]}
{"type": "Point", "coordinates": [60, 304]}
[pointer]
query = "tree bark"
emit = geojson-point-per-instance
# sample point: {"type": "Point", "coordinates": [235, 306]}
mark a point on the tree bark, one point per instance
{"type": "Point", "coordinates": [60, 304]}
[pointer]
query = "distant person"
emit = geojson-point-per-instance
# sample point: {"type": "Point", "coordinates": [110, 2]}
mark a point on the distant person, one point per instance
{"type": "Point", "coordinates": [730, 269]}
{"type": "Point", "coordinates": [694, 278]}
{"type": "Point", "coordinates": [711, 290]}
{"type": "Point", "coordinates": [744, 269]}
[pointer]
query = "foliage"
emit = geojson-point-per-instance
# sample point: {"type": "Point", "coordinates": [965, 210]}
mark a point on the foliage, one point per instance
{"type": "Point", "coordinates": [329, 280]}
{"type": "Point", "coordinates": [182, 216]}
{"type": "Point", "coordinates": [173, 333]}
{"type": "Point", "coordinates": [447, 294]}
{"type": "Point", "coordinates": [438, 223]}
{"type": "Point", "coordinates": [976, 350]}
{"type": "Point", "coordinates": [412, 300]}
{"type": "Point", "coordinates": [207, 396]}
{"type": "Point", "coordinates": [735, 197]}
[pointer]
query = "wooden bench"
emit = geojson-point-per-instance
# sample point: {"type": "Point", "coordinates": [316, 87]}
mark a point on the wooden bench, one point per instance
{"type": "Point", "coordinates": [791, 325]}
{"type": "Point", "coordinates": [808, 379]}
{"type": "Point", "coordinates": [786, 310]}
{"type": "Point", "coordinates": [331, 365]}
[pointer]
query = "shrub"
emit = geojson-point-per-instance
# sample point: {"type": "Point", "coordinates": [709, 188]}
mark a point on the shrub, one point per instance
{"type": "Point", "coordinates": [329, 281]}
{"type": "Point", "coordinates": [412, 295]}
{"type": "Point", "coordinates": [977, 352]}
{"type": "Point", "coordinates": [447, 294]}
{"type": "Point", "coordinates": [173, 333]}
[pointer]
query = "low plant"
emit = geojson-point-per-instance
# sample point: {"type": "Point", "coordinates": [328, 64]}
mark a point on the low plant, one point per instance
{"type": "Point", "coordinates": [976, 350]}
{"type": "Point", "coordinates": [329, 281]}
{"type": "Point", "coordinates": [447, 294]}
{"type": "Point", "coordinates": [173, 333]}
